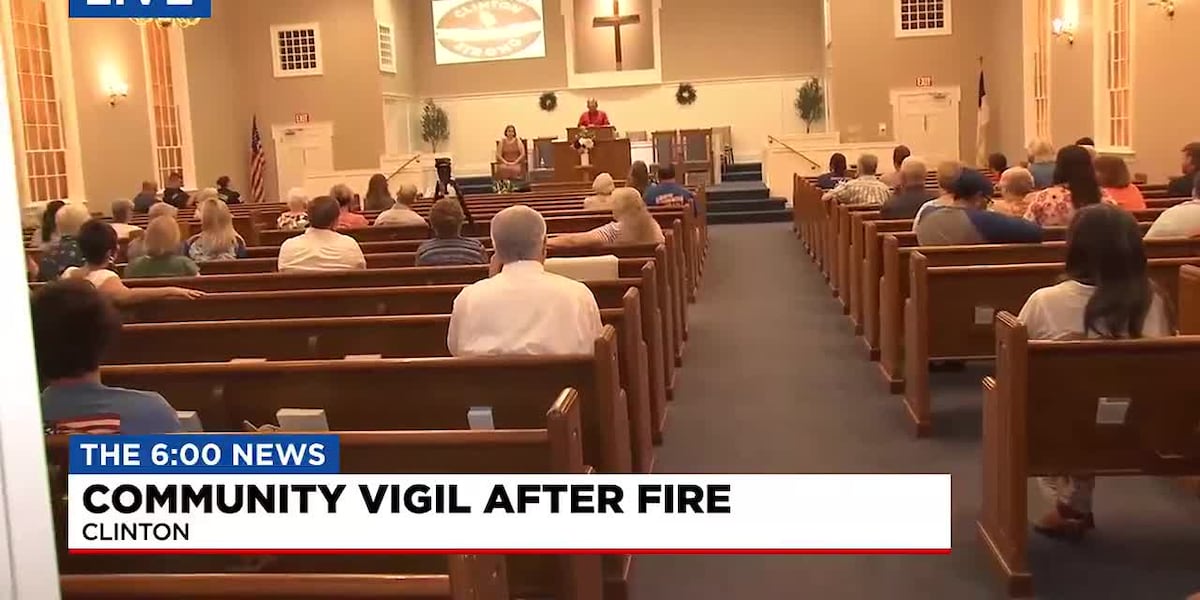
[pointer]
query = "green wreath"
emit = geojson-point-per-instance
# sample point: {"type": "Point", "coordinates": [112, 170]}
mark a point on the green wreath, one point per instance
{"type": "Point", "coordinates": [548, 101]}
{"type": "Point", "coordinates": [686, 95]}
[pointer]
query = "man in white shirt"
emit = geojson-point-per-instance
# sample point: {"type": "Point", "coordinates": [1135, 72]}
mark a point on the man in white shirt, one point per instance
{"type": "Point", "coordinates": [402, 213]}
{"type": "Point", "coordinates": [320, 248]}
{"type": "Point", "coordinates": [523, 310]}
{"type": "Point", "coordinates": [1181, 220]}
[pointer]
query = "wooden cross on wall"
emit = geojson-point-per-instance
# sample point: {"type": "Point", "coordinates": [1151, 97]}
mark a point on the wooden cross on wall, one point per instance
{"type": "Point", "coordinates": [616, 21]}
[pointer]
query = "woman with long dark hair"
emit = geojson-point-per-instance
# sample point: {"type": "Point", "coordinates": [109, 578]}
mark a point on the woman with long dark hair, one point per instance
{"type": "Point", "coordinates": [1106, 294]}
{"type": "Point", "coordinates": [47, 232]}
{"type": "Point", "coordinates": [839, 172]}
{"type": "Point", "coordinates": [1075, 186]}
{"type": "Point", "coordinates": [639, 177]}
{"type": "Point", "coordinates": [379, 197]}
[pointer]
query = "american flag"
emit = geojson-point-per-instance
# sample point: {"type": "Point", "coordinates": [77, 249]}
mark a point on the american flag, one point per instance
{"type": "Point", "coordinates": [258, 164]}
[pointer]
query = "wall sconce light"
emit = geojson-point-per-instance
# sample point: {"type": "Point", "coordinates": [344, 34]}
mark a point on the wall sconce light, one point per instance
{"type": "Point", "coordinates": [117, 91]}
{"type": "Point", "coordinates": [1064, 28]}
{"type": "Point", "coordinates": [1168, 6]}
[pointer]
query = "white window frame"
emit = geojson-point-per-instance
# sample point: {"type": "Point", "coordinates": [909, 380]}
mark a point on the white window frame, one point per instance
{"type": "Point", "coordinates": [183, 101]}
{"type": "Point", "coordinates": [384, 67]}
{"type": "Point", "coordinates": [64, 83]}
{"type": "Point", "coordinates": [1102, 113]}
{"type": "Point", "coordinates": [277, 58]}
{"type": "Point", "coordinates": [948, 29]}
{"type": "Point", "coordinates": [1042, 65]}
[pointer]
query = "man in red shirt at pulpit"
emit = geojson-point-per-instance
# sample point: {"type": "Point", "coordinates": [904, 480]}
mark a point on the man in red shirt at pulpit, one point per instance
{"type": "Point", "coordinates": [594, 117]}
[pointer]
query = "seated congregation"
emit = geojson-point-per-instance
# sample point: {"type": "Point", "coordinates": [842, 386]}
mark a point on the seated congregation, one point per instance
{"type": "Point", "coordinates": [1065, 272]}
{"type": "Point", "coordinates": [594, 292]}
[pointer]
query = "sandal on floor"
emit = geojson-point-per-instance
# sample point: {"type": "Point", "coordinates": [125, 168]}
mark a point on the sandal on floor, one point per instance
{"type": "Point", "coordinates": [1065, 523]}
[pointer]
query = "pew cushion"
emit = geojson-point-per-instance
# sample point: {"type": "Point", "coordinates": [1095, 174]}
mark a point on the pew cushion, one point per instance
{"type": "Point", "coordinates": [585, 268]}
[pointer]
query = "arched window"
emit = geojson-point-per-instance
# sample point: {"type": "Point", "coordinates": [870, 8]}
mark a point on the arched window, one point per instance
{"type": "Point", "coordinates": [38, 76]}
{"type": "Point", "coordinates": [166, 81]}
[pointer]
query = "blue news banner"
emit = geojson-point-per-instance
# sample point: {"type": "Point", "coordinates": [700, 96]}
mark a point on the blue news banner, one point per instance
{"type": "Point", "coordinates": [208, 454]}
{"type": "Point", "coordinates": [140, 9]}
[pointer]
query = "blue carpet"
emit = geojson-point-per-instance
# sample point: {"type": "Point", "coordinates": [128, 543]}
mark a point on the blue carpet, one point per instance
{"type": "Point", "coordinates": [774, 382]}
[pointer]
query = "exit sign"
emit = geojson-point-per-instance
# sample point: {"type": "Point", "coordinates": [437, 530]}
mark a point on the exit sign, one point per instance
{"type": "Point", "coordinates": [925, 81]}
{"type": "Point", "coordinates": [303, 118]}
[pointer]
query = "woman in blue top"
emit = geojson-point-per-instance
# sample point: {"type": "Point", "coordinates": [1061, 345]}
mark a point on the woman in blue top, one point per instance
{"type": "Point", "coordinates": [217, 239]}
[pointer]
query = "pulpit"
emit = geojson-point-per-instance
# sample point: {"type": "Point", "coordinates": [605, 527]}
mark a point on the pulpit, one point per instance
{"type": "Point", "coordinates": [609, 155]}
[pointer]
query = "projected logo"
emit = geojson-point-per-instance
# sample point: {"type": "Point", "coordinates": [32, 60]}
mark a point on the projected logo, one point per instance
{"type": "Point", "coordinates": [482, 30]}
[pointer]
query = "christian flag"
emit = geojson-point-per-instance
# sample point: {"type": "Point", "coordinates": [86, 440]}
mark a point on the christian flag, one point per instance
{"type": "Point", "coordinates": [984, 117]}
{"type": "Point", "coordinates": [258, 164]}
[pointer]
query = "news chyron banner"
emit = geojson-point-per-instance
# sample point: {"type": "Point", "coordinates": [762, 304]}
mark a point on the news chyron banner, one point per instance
{"type": "Point", "coordinates": [285, 493]}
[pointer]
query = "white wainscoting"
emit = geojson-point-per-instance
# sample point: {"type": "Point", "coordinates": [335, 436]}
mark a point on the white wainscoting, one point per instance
{"type": "Point", "coordinates": [780, 163]}
{"type": "Point", "coordinates": [754, 108]}
{"type": "Point", "coordinates": [420, 173]}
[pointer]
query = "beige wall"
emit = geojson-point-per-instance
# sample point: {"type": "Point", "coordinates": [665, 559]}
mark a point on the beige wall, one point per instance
{"type": "Point", "coordinates": [1005, 80]}
{"type": "Point", "coordinates": [701, 40]}
{"type": "Point", "coordinates": [220, 129]}
{"type": "Point", "coordinates": [711, 39]}
{"type": "Point", "coordinates": [115, 144]}
{"type": "Point", "coordinates": [348, 94]}
{"type": "Point", "coordinates": [403, 82]}
{"type": "Point", "coordinates": [868, 61]}
{"type": "Point", "coordinates": [1071, 80]}
{"type": "Point", "coordinates": [1164, 88]}
{"type": "Point", "coordinates": [549, 73]}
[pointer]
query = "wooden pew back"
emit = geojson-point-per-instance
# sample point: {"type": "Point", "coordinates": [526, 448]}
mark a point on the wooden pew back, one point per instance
{"type": "Point", "coordinates": [950, 313]}
{"type": "Point", "coordinates": [402, 394]}
{"type": "Point", "coordinates": [1041, 417]}
{"type": "Point", "coordinates": [412, 336]}
{"type": "Point", "coordinates": [553, 447]}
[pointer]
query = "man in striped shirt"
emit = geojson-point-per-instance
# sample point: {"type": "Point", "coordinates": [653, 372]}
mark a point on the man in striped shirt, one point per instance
{"type": "Point", "coordinates": [449, 247]}
{"type": "Point", "coordinates": [73, 325]}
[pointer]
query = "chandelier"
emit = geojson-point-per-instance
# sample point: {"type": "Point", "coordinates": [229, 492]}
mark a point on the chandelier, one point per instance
{"type": "Point", "coordinates": [168, 23]}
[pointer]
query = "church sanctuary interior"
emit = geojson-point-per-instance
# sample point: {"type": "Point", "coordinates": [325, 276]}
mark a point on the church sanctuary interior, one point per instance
{"type": "Point", "coordinates": [624, 237]}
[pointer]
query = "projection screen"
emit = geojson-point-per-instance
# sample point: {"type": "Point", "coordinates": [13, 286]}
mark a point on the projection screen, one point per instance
{"type": "Point", "coordinates": [468, 31]}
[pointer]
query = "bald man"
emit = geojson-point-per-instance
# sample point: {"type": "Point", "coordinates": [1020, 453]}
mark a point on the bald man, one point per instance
{"type": "Point", "coordinates": [522, 310]}
{"type": "Point", "coordinates": [594, 117]}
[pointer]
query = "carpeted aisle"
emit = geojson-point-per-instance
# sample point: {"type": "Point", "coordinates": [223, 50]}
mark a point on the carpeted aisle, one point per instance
{"type": "Point", "coordinates": [775, 382]}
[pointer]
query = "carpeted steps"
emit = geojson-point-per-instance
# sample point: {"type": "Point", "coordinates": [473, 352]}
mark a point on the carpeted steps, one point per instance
{"type": "Point", "coordinates": [479, 184]}
{"type": "Point", "coordinates": [743, 172]}
{"type": "Point", "coordinates": [743, 198]}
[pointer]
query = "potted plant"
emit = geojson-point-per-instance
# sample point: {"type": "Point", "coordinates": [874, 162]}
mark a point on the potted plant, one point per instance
{"type": "Point", "coordinates": [435, 125]}
{"type": "Point", "coordinates": [810, 103]}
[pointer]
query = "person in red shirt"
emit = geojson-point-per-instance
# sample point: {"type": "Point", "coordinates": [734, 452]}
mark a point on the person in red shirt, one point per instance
{"type": "Point", "coordinates": [594, 117]}
{"type": "Point", "coordinates": [347, 219]}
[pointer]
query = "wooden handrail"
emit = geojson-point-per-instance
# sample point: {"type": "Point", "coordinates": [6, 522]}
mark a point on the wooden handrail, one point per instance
{"type": "Point", "coordinates": [403, 166]}
{"type": "Point", "coordinates": [776, 140]}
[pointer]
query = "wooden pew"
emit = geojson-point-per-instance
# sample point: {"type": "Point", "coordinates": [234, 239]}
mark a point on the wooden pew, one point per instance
{"type": "Point", "coordinates": [663, 337]}
{"type": "Point", "coordinates": [1040, 418]}
{"type": "Point", "coordinates": [893, 290]}
{"type": "Point", "coordinates": [673, 272]}
{"type": "Point", "coordinates": [413, 336]}
{"type": "Point", "coordinates": [1189, 300]}
{"type": "Point", "coordinates": [693, 241]}
{"type": "Point", "coordinates": [428, 300]}
{"type": "Point", "coordinates": [427, 393]}
{"type": "Point", "coordinates": [555, 446]}
{"type": "Point", "coordinates": [669, 297]}
{"type": "Point", "coordinates": [471, 577]}
{"type": "Point", "coordinates": [950, 312]}
{"type": "Point", "coordinates": [864, 296]}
